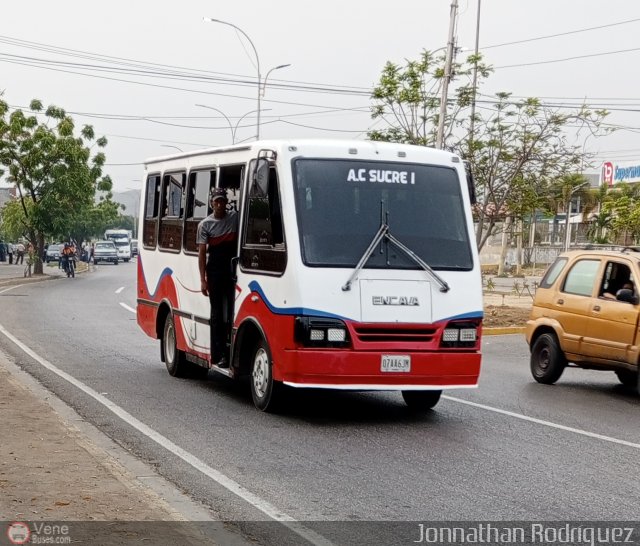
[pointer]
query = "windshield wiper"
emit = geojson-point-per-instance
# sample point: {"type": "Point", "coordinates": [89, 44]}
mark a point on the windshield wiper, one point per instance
{"type": "Point", "coordinates": [383, 233]}
{"type": "Point", "coordinates": [384, 230]}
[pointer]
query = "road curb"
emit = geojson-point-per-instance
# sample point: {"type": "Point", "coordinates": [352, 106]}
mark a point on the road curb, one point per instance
{"type": "Point", "coordinates": [503, 331]}
{"type": "Point", "coordinates": [12, 281]}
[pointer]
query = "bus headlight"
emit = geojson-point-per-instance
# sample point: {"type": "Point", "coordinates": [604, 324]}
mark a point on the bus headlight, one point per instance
{"type": "Point", "coordinates": [321, 332]}
{"type": "Point", "coordinates": [459, 335]}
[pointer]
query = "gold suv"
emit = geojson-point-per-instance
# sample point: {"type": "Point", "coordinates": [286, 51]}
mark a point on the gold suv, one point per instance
{"type": "Point", "coordinates": [586, 312]}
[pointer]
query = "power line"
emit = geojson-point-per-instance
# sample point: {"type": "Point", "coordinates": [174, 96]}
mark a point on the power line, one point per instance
{"type": "Point", "coordinates": [158, 140]}
{"type": "Point", "coordinates": [562, 34]}
{"type": "Point", "coordinates": [173, 88]}
{"type": "Point", "coordinates": [169, 69]}
{"type": "Point", "coordinates": [568, 58]}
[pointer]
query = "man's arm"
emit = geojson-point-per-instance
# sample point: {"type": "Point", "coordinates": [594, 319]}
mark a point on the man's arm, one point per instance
{"type": "Point", "coordinates": [202, 266]}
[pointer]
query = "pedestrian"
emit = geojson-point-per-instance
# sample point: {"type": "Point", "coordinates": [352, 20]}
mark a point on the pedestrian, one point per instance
{"type": "Point", "coordinates": [87, 251]}
{"type": "Point", "coordinates": [217, 237]}
{"type": "Point", "coordinates": [10, 250]}
{"type": "Point", "coordinates": [2, 251]}
{"type": "Point", "coordinates": [31, 257]}
{"type": "Point", "coordinates": [20, 253]}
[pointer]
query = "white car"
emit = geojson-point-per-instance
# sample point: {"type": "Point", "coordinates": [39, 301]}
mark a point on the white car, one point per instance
{"type": "Point", "coordinates": [124, 249]}
{"type": "Point", "coordinates": [105, 251]}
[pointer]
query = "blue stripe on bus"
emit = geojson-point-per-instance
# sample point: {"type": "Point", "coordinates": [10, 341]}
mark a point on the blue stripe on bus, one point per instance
{"type": "Point", "coordinates": [255, 287]}
{"type": "Point", "coordinates": [301, 311]}
{"type": "Point", "coordinates": [167, 271]}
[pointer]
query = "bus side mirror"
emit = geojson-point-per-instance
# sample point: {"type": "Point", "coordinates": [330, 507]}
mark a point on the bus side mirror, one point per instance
{"type": "Point", "coordinates": [260, 179]}
{"type": "Point", "coordinates": [471, 183]}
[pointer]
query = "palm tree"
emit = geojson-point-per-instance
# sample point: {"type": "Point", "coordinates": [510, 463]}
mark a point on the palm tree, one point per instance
{"type": "Point", "coordinates": [600, 221]}
{"type": "Point", "coordinates": [562, 192]}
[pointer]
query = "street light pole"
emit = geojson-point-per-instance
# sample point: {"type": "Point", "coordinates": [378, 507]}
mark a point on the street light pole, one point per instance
{"type": "Point", "coordinates": [233, 133]}
{"type": "Point", "coordinates": [447, 74]}
{"type": "Point", "coordinates": [255, 51]}
{"type": "Point", "coordinates": [233, 128]}
{"type": "Point", "coordinates": [170, 146]}
{"type": "Point", "coordinates": [264, 84]}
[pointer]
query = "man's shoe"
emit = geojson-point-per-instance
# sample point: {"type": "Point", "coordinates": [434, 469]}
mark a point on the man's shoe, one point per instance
{"type": "Point", "coordinates": [222, 363]}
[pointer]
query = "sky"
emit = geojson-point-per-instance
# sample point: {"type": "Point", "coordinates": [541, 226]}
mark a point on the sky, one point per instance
{"type": "Point", "coordinates": [562, 51]}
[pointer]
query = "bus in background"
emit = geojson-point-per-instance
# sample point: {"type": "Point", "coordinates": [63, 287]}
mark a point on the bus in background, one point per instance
{"type": "Point", "coordinates": [356, 267]}
{"type": "Point", "coordinates": [122, 240]}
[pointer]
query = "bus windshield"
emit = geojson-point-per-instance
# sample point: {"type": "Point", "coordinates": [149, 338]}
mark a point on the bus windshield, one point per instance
{"type": "Point", "coordinates": [341, 204]}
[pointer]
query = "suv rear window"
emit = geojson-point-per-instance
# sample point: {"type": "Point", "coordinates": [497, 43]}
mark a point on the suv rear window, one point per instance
{"type": "Point", "coordinates": [552, 273]}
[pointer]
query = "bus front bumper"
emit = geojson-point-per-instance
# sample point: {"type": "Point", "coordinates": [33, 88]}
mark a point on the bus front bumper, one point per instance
{"type": "Point", "coordinates": [360, 370]}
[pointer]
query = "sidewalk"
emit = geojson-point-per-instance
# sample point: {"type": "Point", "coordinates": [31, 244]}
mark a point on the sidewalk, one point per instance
{"type": "Point", "coordinates": [57, 468]}
{"type": "Point", "coordinates": [14, 273]}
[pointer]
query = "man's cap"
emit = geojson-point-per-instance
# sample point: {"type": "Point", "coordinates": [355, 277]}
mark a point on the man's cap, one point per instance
{"type": "Point", "coordinates": [218, 193]}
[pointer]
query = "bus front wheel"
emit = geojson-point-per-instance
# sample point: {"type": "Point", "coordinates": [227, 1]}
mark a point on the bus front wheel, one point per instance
{"type": "Point", "coordinates": [421, 400]}
{"type": "Point", "coordinates": [173, 357]}
{"type": "Point", "coordinates": [265, 391]}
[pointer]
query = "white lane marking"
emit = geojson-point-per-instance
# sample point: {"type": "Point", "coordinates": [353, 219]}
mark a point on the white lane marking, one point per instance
{"type": "Point", "coordinates": [128, 308]}
{"type": "Point", "coordinates": [222, 479]}
{"type": "Point", "coordinates": [546, 423]}
{"type": "Point", "coordinates": [119, 289]}
{"type": "Point", "coordinates": [11, 288]}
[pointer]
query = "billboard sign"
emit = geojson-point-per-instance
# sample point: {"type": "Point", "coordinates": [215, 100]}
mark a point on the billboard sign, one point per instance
{"type": "Point", "coordinates": [615, 173]}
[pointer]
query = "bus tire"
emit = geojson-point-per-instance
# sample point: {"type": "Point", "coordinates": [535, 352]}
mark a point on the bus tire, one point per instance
{"type": "Point", "coordinates": [421, 400]}
{"type": "Point", "coordinates": [174, 359]}
{"type": "Point", "coordinates": [265, 391]}
{"type": "Point", "coordinates": [547, 360]}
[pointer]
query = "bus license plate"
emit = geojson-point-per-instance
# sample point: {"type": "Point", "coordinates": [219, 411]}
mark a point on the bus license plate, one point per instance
{"type": "Point", "coordinates": [395, 363]}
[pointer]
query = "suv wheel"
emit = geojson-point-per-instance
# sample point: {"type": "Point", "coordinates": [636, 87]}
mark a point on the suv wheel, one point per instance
{"type": "Point", "coordinates": [547, 359]}
{"type": "Point", "coordinates": [628, 378]}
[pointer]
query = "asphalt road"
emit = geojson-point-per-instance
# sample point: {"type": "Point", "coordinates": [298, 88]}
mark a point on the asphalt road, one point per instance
{"type": "Point", "coordinates": [510, 450]}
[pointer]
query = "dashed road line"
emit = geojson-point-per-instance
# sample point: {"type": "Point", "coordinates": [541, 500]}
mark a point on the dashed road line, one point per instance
{"type": "Point", "coordinates": [542, 422]}
{"type": "Point", "coordinates": [128, 308]}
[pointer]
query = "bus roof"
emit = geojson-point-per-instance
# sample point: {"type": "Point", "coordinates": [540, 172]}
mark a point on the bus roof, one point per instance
{"type": "Point", "coordinates": [339, 147]}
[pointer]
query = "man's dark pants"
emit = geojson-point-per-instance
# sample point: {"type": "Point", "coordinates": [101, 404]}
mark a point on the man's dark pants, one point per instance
{"type": "Point", "coordinates": [221, 290]}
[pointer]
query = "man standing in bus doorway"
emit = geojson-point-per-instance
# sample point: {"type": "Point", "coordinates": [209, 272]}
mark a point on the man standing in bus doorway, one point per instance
{"type": "Point", "coordinates": [217, 236]}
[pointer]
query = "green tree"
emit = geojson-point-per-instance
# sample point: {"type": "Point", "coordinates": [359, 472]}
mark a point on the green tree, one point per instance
{"type": "Point", "coordinates": [92, 222]}
{"type": "Point", "coordinates": [522, 141]}
{"type": "Point", "coordinates": [562, 193]}
{"type": "Point", "coordinates": [514, 143]}
{"type": "Point", "coordinates": [407, 98]}
{"type": "Point", "coordinates": [600, 222]}
{"type": "Point", "coordinates": [54, 171]}
{"type": "Point", "coordinates": [623, 206]}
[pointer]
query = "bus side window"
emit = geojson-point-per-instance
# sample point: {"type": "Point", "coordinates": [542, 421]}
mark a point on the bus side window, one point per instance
{"type": "Point", "coordinates": [197, 205]}
{"type": "Point", "coordinates": [152, 206]}
{"type": "Point", "coordinates": [230, 178]}
{"type": "Point", "coordinates": [263, 247]}
{"type": "Point", "coordinates": [170, 231]}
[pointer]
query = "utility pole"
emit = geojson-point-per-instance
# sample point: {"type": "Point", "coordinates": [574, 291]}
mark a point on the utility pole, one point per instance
{"type": "Point", "coordinates": [472, 121]}
{"type": "Point", "coordinates": [447, 74]}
